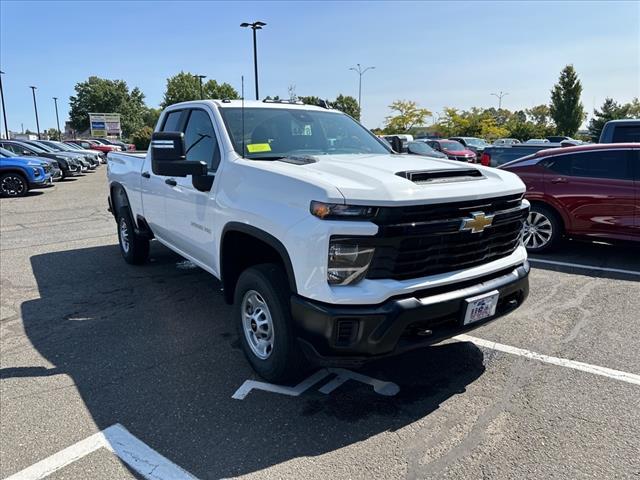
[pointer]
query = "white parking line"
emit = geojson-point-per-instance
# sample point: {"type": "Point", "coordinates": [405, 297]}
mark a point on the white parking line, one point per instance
{"type": "Point", "coordinates": [131, 450]}
{"type": "Point", "coordinates": [585, 267]}
{"type": "Point", "coordinates": [561, 362]}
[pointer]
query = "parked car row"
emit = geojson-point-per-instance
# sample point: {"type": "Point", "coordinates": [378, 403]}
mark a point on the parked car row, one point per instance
{"type": "Point", "coordinates": [28, 164]}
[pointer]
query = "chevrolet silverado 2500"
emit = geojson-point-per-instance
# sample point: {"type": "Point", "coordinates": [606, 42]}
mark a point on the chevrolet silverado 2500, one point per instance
{"type": "Point", "coordinates": [333, 249]}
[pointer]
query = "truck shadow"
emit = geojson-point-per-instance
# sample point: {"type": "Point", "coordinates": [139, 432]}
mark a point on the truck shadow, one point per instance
{"type": "Point", "coordinates": [154, 348]}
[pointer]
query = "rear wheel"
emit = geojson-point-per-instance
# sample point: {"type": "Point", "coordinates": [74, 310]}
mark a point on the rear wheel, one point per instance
{"type": "Point", "coordinates": [133, 247]}
{"type": "Point", "coordinates": [13, 185]}
{"type": "Point", "coordinates": [263, 317]}
{"type": "Point", "coordinates": [542, 229]}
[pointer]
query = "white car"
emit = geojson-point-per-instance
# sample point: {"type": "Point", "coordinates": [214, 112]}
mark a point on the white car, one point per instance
{"type": "Point", "coordinates": [333, 249]}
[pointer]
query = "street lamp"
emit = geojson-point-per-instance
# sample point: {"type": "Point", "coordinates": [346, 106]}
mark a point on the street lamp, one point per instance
{"type": "Point", "coordinates": [55, 101]}
{"type": "Point", "coordinates": [4, 109]}
{"type": "Point", "coordinates": [255, 26]}
{"type": "Point", "coordinates": [499, 97]}
{"type": "Point", "coordinates": [200, 77]}
{"type": "Point", "coordinates": [360, 71]}
{"type": "Point", "coordinates": [35, 107]}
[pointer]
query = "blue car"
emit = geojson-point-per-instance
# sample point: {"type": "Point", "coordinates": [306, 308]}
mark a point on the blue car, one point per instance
{"type": "Point", "coordinates": [19, 175]}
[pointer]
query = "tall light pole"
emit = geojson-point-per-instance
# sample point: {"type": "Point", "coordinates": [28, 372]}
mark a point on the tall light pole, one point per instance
{"type": "Point", "coordinates": [35, 107]}
{"type": "Point", "coordinates": [200, 77]}
{"type": "Point", "coordinates": [360, 71]}
{"type": "Point", "coordinates": [255, 26]}
{"type": "Point", "coordinates": [55, 101]}
{"type": "Point", "coordinates": [499, 96]}
{"type": "Point", "coordinates": [4, 109]}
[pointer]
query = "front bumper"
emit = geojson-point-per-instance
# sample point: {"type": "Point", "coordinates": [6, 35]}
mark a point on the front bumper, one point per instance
{"type": "Point", "coordinates": [348, 335]}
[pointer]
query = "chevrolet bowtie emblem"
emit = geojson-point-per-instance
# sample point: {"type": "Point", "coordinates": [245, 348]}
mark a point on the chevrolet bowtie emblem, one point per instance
{"type": "Point", "coordinates": [477, 223]}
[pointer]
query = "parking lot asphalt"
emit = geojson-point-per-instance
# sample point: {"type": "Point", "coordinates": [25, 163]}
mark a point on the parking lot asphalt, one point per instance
{"type": "Point", "coordinates": [87, 341]}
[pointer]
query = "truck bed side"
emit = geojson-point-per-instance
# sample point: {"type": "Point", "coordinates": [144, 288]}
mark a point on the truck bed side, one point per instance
{"type": "Point", "coordinates": [125, 169]}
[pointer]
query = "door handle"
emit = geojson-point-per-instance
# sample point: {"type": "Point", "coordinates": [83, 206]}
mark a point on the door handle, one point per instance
{"type": "Point", "coordinates": [559, 180]}
{"type": "Point", "coordinates": [171, 181]}
{"type": "Point", "coordinates": [146, 174]}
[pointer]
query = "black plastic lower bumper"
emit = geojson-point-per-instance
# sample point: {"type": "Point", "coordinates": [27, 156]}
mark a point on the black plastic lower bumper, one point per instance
{"type": "Point", "coordinates": [350, 335]}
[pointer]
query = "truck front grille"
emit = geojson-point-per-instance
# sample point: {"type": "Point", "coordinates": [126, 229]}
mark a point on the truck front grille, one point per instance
{"type": "Point", "coordinates": [424, 240]}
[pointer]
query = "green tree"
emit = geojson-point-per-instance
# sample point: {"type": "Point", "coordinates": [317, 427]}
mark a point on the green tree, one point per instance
{"type": "Point", "coordinates": [348, 105]}
{"type": "Point", "coordinates": [566, 109]}
{"type": "Point", "coordinates": [408, 115]}
{"type": "Point", "coordinates": [310, 100]}
{"type": "Point", "coordinates": [52, 133]}
{"type": "Point", "coordinates": [151, 116]}
{"type": "Point", "coordinates": [142, 137]}
{"type": "Point", "coordinates": [633, 108]}
{"type": "Point", "coordinates": [185, 86]}
{"type": "Point", "coordinates": [99, 95]}
{"type": "Point", "coordinates": [610, 110]}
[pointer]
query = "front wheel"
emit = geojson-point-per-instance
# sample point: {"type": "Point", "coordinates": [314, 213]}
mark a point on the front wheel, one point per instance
{"type": "Point", "coordinates": [133, 247]}
{"type": "Point", "coordinates": [263, 318]}
{"type": "Point", "coordinates": [542, 230]}
{"type": "Point", "coordinates": [13, 185]}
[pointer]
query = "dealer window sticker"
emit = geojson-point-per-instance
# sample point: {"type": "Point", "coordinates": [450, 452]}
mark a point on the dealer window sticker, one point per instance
{"type": "Point", "coordinates": [258, 147]}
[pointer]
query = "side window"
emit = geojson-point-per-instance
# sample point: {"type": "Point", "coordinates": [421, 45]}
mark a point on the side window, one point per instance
{"type": "Point", "coordinates": [560, 165]}
{"type": "Point", "coordinates": [172, 121]}
{"type": "Point", "coordinates": [200, 140]}
{"type": "Point", "coordinates": [612, 164]}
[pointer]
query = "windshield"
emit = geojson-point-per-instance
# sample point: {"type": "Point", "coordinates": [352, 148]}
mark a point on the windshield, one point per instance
{"type": "Point", "coordinates": [451, 146]}
{"type": "Point", "coordinates": [7, 153]}
{"type": "Point", "coordinates": [52, 146]}
{"type": "Point", "coordinates": [476, 142]}
{"type": "Point", "coordinates": [280, 132]}
{"type": "Point", "coordinates": [42, 147]}
{"type": "Point", "coordinates": [420, 148]}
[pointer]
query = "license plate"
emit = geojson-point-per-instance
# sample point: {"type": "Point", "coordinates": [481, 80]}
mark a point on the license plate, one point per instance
{"type": "Point", "coordinates": [481, 307]}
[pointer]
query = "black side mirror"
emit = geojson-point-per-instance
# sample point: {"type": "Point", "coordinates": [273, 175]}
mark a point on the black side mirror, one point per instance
{"type": "Point", "coordinates": [168, 156]}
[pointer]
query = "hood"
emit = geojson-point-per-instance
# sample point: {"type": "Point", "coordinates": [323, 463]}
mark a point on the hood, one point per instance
{"type": "Point", "coordinates": [374, 180]}
{"type": "Point", "coordinates": [460, 153]}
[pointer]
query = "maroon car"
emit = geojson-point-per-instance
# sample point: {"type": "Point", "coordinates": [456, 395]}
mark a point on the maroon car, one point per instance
{"type": "Point", "coordinates": [453, 150]}
{"type": "Point", "coordinates": [590, 191]}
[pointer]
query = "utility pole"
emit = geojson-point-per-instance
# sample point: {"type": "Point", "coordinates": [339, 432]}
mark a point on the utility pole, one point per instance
{"type": "Point", "coordinates": [360, 71]}
{"type": "Point", "coordinates": [35, 107]}
{"type": "Point", "coordinates": [55, 101]}
{"type": "Point", "coordinates": [4, 109]}
{"type": "Point", "coordinates": [200, 77]}
{"type": "Point", "coordinates": [255, 26]}
{"type": "Point", "coordinates": [499, 97]}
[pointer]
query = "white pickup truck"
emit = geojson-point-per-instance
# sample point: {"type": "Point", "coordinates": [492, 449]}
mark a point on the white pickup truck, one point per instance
{"type": "Point", "coordinates": [333, 249]}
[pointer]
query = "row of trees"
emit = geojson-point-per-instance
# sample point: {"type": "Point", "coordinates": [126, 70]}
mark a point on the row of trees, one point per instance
{"type": "Point", "coordinates": [137, 119]}
{"type": "Point", "coordinates": [563, 116]}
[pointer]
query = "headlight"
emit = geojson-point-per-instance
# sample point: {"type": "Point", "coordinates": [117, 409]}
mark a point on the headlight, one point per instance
{"type": "Point", "coordinates": [348, 262]}
{"type": "Point", "coordinates": [335, 211]}
{"type": "Point", "coordinates": [36, 171]}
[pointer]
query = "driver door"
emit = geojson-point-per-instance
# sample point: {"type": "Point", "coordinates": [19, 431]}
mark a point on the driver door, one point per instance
{"type": "Point", "coordinates": [190, 212]}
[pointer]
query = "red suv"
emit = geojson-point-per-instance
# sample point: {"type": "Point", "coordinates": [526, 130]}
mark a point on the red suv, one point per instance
{"type": "Point", "coordinates": [588, 191]}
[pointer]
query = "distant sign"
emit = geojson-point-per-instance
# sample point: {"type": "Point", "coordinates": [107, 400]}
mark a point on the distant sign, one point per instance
{"type": "Point", "coordinates": [105, 124]}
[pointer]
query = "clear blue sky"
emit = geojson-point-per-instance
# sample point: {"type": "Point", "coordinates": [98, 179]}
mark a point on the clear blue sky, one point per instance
{"type": "Point", "coordinates": [439, 54]}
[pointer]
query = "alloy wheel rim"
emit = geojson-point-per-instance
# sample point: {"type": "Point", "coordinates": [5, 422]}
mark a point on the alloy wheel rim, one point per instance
{"type": "Point", "coordinates": [257, 324]}
{"type": "Point", "coordinates": [12, 186]}
{"type": "Point", "coordinates": [124, 235]}
{"type": "Point", "coordinates": [538, 230]}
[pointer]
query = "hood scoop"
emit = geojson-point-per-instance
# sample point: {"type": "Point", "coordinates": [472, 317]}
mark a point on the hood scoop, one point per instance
{"type": "Point", "coordinates": [442, 176]}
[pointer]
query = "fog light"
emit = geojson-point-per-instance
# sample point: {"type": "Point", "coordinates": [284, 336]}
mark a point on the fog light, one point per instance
{"type": "Point", "coordinates": [348, 263]}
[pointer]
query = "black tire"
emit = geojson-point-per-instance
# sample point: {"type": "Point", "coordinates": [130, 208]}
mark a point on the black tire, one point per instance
{"type": "Point", "coordinates": [543, 230]}
{"type": "Point", "coordinates": [133, 247]}
{"type": "Point", "coordinates": [285, 361]}
{"type": "Point", "coordinates": [13, 184]}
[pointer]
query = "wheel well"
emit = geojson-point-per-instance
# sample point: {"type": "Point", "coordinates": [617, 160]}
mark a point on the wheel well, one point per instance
{"type": "Point", "coordinates": [16, 171]}
{"type": "Point", "coordinates": [241, 250]}
{"type": "Point", "coordinates": [119, 198]}
{"type": "Point", "coordinates": [553, 209]}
